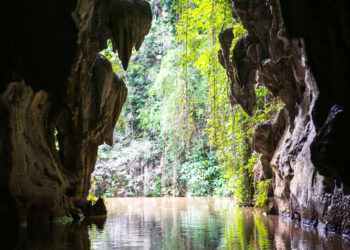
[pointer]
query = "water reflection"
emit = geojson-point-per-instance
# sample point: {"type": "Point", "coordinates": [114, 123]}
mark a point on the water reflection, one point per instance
{"type": "Point", "coordinates": [163, 223]}
{"type": "Point", "coordinates": [201, 223]}
{"type": "Point", "coordinates": [174, 223]}
{"type": "Point", "coordinates": [71, 236]}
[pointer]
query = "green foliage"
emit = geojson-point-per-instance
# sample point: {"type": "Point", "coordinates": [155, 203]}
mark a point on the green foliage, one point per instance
{"type": "Point", "coordinates": [239, 234]}
{"type": "Point", "coordinates": [243, 160]}
{"type": "Point", "coordinates": [261, 193]}
{"type": "Point", "coordinates": [156, 189]}
{"type": "Point", "coordinates": [261, 232]}
{"type": "Point", "coordinates": [91, 197]}
{"type": "Point", "coordinates": [178, 99]}
{"type": "Point", "coordinates": [113, 58]}
{"type": "Point", "coordinates": [200, 174]}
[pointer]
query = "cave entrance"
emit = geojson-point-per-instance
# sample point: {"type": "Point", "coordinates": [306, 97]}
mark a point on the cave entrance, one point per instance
{"type": "Point", "coordinates": [178, 134]}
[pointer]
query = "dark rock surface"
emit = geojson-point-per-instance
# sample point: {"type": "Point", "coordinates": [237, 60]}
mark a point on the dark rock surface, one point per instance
{"type": "Point", "coordinates": [299, 50]}
{"type": "Point", "coordinates": [99, 208]}
{"type": "Point", "coordinates": [59, 99]}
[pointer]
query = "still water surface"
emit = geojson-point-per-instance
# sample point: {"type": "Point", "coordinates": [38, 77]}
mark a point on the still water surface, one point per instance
{"type": "Point", "coordinates": [176, 223]}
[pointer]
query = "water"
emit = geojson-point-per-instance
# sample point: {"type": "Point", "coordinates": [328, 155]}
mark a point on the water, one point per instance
{"type": "Point", "coordinates": [175, 223]}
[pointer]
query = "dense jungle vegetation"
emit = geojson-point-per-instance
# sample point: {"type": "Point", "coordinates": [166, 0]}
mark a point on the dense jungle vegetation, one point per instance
{"type": "Point", "coordinates": [184, 132]}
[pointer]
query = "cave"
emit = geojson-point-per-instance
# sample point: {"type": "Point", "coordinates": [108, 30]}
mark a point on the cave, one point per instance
{"type": "Point", "coordinates": [55, 86]}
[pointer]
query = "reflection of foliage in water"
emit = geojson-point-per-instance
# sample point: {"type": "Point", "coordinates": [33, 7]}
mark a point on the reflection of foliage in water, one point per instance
{"type": "Point", "coordinates": [194, 223]}
{"type": "Point", "coordinates": [197, 229]}
{"type": "Point", "coordinates": [244, 231]}
{"type": "Point", "coordinates": [261, 232]}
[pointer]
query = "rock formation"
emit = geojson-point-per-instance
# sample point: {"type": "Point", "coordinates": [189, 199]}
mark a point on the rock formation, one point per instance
{"type": "Point", "coordinates": [133, 168]}
{"type": "Point", "coordinates": [300, 52]}
{"type": "Point", "coordinates": [59, 99]}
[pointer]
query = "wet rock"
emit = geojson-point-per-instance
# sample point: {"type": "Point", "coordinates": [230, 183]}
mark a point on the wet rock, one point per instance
{"type": "Point", "coordinates": [304, 148]}
{"type": "Point", "coordinates": [132, 17]}
{"type": "Point", "coordinates": [99, 208]}
{"type": "Point", "coordinates": [328, 148]}
{"type": "Point", "coordinates": [272, 208]}
{"type": "Point", "coordinates": [241, 70]}
{"type": "Point", "coordinates": [266, 137]}
{"type": "Point", "coordinates": [262, 139]}
{"type": "Point", "coordinates": [59, 100]}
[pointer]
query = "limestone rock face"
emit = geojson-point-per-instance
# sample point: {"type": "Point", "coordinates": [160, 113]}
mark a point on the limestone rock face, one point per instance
{"type": "Point", "coordinates": [304, 150]}
{"type": "Point", "coordinates": [59, 99]}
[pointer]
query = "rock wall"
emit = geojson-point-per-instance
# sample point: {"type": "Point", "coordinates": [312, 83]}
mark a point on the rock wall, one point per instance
{"type": "Point", "coordinates": [132, 167]}
{"type": "Point", "coordinates": [59, 99]}
{"type": "Point", "coordinates": [300, 52]}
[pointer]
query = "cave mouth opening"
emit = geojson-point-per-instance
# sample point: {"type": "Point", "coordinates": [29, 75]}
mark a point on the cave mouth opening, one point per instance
{"type": "Point", "coordinates": [178, 134]}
